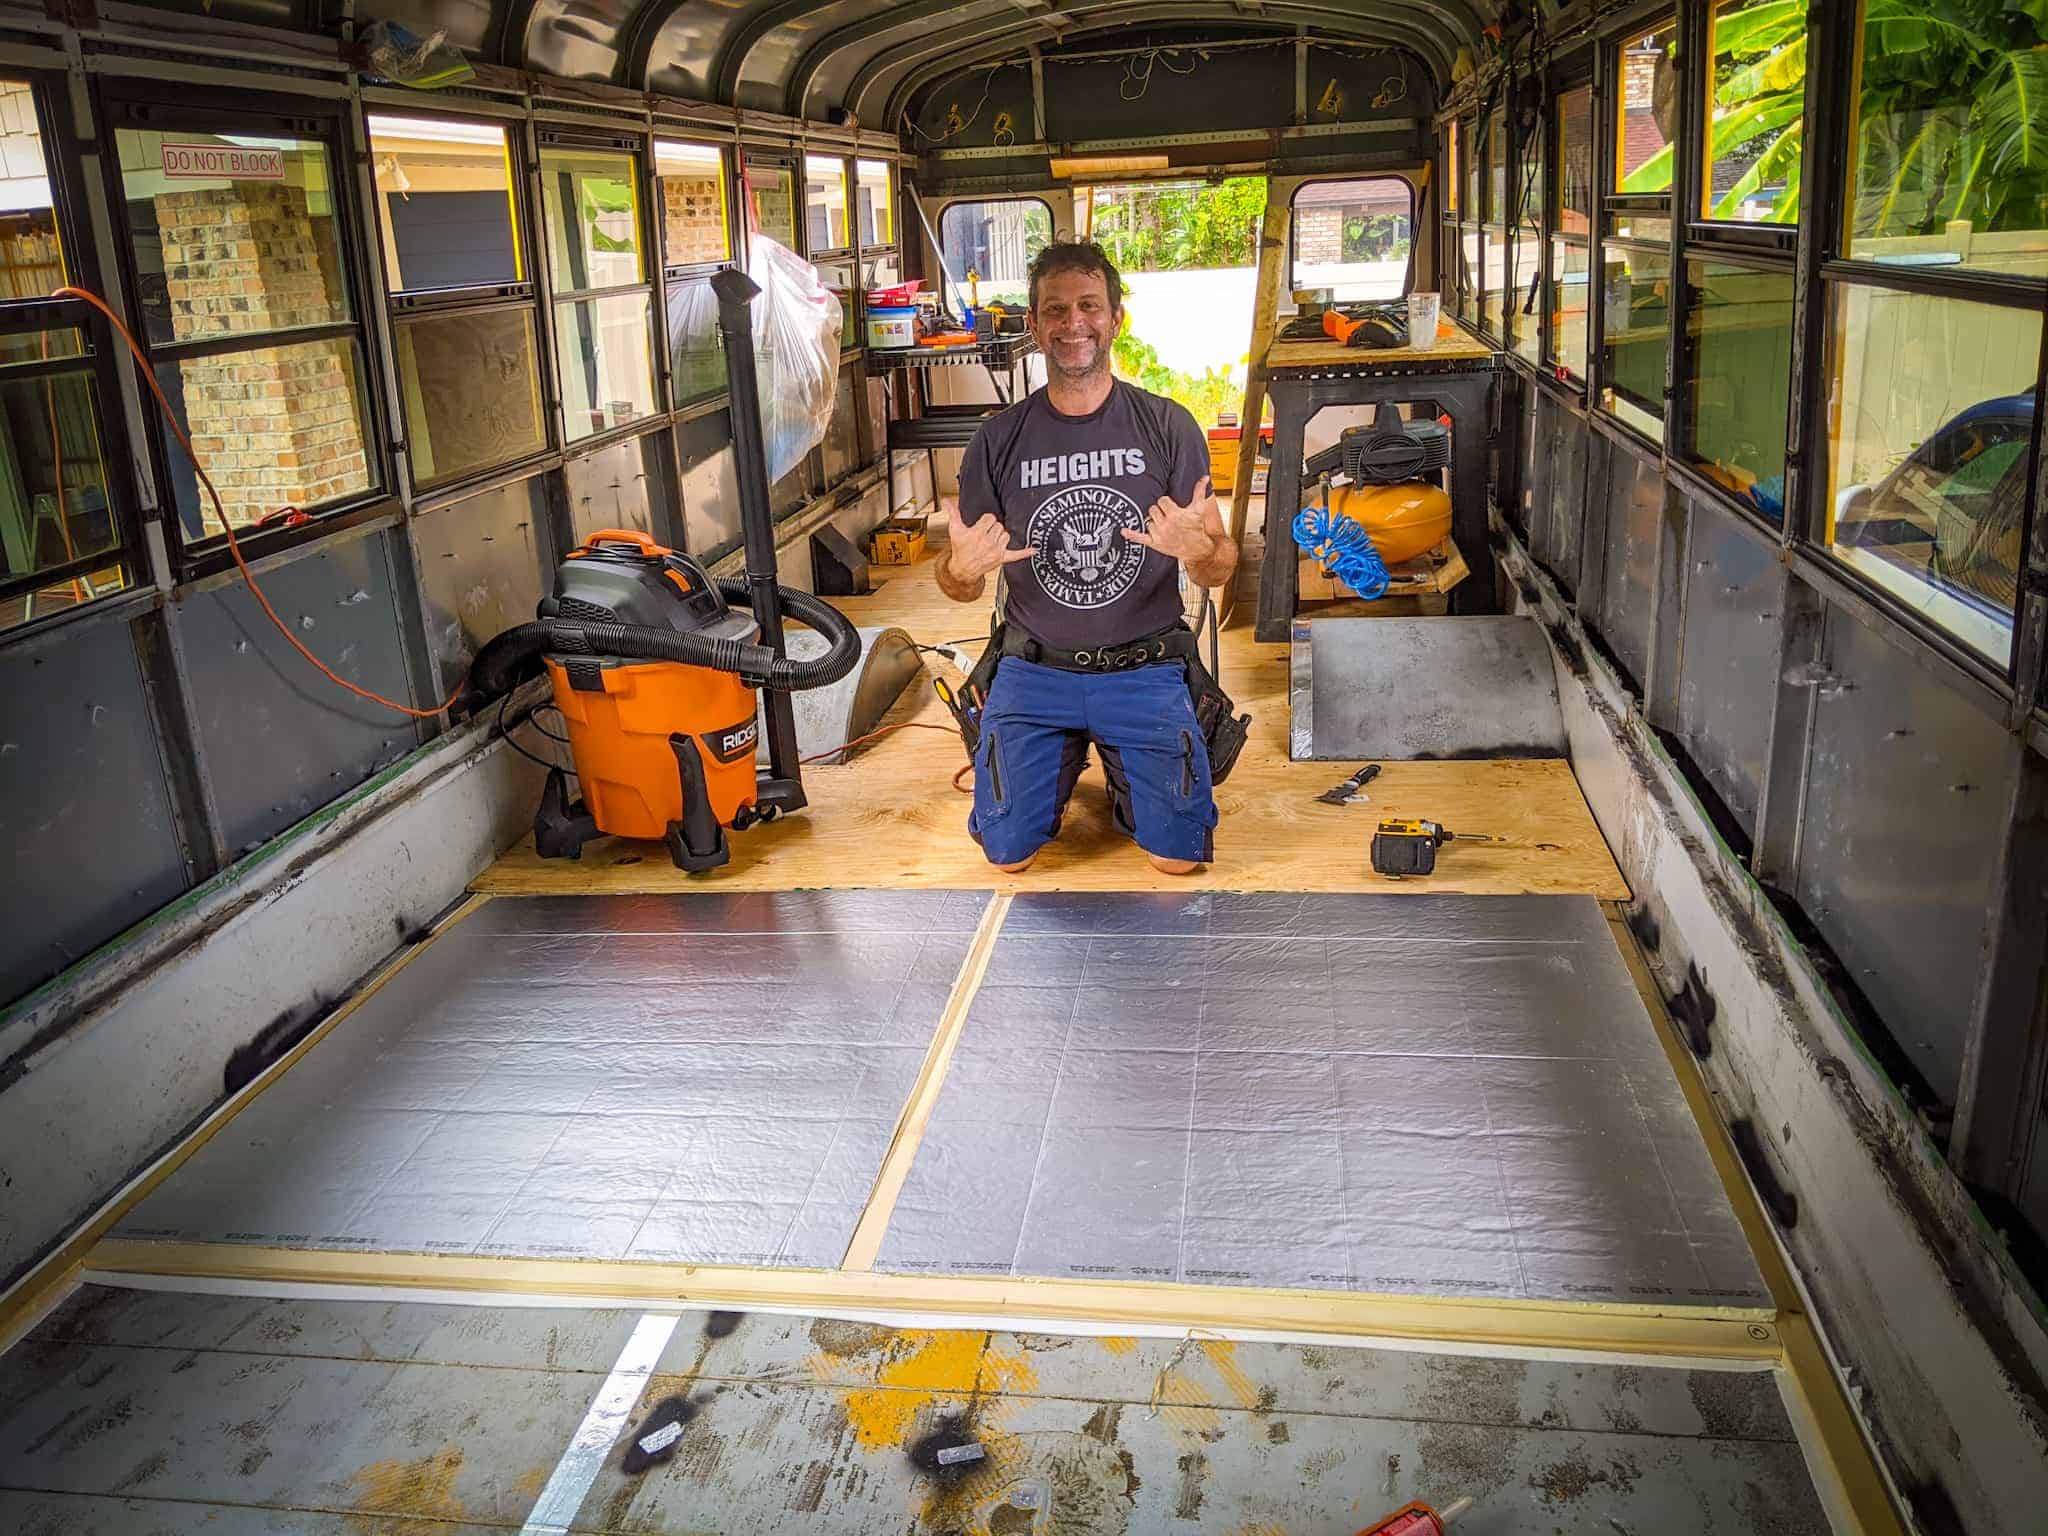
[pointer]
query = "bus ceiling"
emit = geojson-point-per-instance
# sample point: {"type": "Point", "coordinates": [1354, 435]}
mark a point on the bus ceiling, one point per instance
{"type": "Point", "coordinates": [1039, 71]}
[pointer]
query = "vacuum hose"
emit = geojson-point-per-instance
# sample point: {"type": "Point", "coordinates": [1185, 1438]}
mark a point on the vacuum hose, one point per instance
{"type": "Point", "coordinates": [514, 656]}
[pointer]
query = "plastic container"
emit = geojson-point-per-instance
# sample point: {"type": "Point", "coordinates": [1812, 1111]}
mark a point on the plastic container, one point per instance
{"type": "Point", "coordinates": [1423, 309]}
{"type": "Point", "coordinates": [892, 325]}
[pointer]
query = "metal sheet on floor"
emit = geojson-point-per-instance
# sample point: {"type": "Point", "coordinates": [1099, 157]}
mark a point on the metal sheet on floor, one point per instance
{"type": "Point", "coordinates": [691, 1079]}
{"type": "Point", "coordinates": [1428, 1095]}
{"type": "Point", "coordinates": [133, 1412]}
{"type": "Point", "coordinates": [1397, 690]}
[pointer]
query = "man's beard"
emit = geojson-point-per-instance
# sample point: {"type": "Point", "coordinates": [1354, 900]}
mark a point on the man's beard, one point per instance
{"type": "Point", "coordinates": [1097, 366]}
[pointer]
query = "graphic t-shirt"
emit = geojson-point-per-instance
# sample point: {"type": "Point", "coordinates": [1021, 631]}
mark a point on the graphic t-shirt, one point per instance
{"type": "Point", "coordinates": [1070, 485]}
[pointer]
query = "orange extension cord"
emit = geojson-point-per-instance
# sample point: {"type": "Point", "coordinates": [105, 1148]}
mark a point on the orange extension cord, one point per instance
{"type": "Point", "coordinates": [234, 546]}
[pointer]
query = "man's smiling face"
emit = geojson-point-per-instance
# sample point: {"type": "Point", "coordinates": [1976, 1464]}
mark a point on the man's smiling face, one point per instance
{"type": "Point", "coordinates": [1074, 323]}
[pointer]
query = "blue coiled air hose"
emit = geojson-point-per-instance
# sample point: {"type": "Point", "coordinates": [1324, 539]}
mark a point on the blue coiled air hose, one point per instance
{"type": "Point", "coordinates": [1344, 549]}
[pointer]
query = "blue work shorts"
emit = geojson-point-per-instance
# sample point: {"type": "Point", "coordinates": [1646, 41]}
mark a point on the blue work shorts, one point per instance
{"type": "Point", "coordinates": [1035, 733]}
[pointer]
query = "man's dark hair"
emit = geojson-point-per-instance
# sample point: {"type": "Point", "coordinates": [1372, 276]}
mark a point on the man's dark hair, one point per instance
{"type": "Point", "coordinates": [1077, 256]}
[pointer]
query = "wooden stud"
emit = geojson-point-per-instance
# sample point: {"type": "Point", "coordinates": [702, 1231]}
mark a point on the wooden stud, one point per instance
{"type": "Point", "coordinates": [1589, 1328]}
{"type": "Point", "coordinates": [924, 1096]}
{"type": "Point", "coordinates": [1274, 241]}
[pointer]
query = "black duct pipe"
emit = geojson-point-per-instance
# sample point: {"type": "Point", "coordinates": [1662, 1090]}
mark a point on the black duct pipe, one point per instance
{"type": "Point", "coordinates": [736, 293]}
{"type": "Point", "coordinates": [515, 656]}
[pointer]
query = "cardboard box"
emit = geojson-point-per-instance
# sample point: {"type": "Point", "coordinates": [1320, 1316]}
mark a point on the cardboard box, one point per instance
{"type": "Point", "coordinates": [899, 541]}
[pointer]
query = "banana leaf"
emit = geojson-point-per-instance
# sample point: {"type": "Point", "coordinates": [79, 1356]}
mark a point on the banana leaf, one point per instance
{"type": "Point", "coordinates": [1786, 209]}
{"type": "Point", "coordinates": [1761, 26]}
{"type": "Point", "coordinates": [1906, 27]}
{"type": "Point", "coordinates": [1748, 121]}
{"type": "Point", "coordinates": [2011, 111]}
{"type": "Point", "coordinates": [1781, 70]}
{"type": "Point", "coordinates": [1766, 165]}
{"type": "Point", "coordinates": [1900, 158]}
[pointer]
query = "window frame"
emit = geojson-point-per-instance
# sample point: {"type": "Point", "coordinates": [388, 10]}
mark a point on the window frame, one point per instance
{"type": "Point", "coordinates": [1609, 107]}
{"type": "Point", "coordinates": [851, 247]}
{"type": "Point", "coordinates": [774, 157]}
{"type": "Point", "coordinates": [413, 300]}
{"type": "Point", "coordinates": [1578, 73]}
{"type": "Point", "coordinates": [103, 358]}
{"type": "Point", "coordinates": [892, 170]}
{"type": "Point", "coordinates": [1696, 137]}
{"type": "Point", "coordinates": [1466, 225]}
{"type": "Point", "coordinates": [1830, 229]}
{"type": "Point", "coordinates": [673, 276]}
{"type": "Point", "coordinates": [146, 104]}
{"type": "Point", "coordinates": [963, 202]}
{"type": "Point", "coordinates": [1816, 509]}
{"type": "Point", "coordinates": [1493, 226]}
{"type": "Point", "coordinates": [639, 150]}
{"type": "Point", "coordinates": [409, 306]}
{"type": "Point", "coordinates": [1683, 449]}
{"type": "Point", "coordinates": [734, 236]}
{"type": "Point", "coordinates": [866, 253]}
{"type": "Point", "coordinates": [1414, 230]}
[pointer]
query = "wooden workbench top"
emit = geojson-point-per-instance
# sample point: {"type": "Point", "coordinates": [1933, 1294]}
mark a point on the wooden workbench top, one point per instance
{"type": "Point", "coordinates": [1461, 346]}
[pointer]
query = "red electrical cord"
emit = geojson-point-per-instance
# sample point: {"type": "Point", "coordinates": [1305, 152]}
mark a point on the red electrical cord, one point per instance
{"type": "Point", "coordinates": [234, 546]}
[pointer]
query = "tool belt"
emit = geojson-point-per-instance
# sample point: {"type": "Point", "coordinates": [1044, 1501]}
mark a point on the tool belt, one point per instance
{"type": "Point", "coordinates": [1223, 730]}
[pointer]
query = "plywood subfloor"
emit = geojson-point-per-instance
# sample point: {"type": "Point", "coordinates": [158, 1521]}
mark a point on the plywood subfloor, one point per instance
{"type": "Point", "coordinates": [892, 816]}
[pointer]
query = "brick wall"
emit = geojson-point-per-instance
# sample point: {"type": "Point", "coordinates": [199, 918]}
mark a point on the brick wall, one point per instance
{"type": "Point", "coordinates": [273, 426]}
{"type": "Point", "coordinates": [1319, 233]}
{"type": "Point", "coordinates": [693, 227]}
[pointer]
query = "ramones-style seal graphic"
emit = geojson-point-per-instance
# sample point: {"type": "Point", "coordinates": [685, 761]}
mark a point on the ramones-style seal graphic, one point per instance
{"type": "Point", "coordinates": [1083, 559]}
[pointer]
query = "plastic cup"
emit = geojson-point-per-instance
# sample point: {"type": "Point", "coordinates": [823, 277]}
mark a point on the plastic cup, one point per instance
{"type": "Point", "coordinates": [1422, 313]}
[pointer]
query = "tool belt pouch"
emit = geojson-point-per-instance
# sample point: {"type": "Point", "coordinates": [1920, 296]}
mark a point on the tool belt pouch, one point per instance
{"type": "Point", "coordinates": [1223, 730]}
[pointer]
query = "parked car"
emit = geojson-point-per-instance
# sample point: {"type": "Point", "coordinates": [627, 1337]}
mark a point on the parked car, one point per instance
{"type": "Point", "coordinates": [1953, 513]}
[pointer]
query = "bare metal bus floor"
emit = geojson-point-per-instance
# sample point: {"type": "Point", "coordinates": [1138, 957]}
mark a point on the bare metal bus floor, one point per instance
{"type": "Point", "coordinates": [139, 1413]}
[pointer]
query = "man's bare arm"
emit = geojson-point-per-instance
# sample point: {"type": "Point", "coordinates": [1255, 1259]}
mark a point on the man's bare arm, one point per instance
{"type": "Point", "coordinates": [1215, 569]}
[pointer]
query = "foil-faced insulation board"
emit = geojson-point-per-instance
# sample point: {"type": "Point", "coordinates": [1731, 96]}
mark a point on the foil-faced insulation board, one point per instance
{"type": "Point", "coordinates": [1413, 1094]}
{"type": "Point", "coordinates": [699, 1079]}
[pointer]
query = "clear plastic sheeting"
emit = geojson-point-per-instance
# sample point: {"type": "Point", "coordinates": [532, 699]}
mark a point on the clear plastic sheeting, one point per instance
{"type": "Point", "coordinates": [797, 324]}
{"type": "Point", "coordinates": [704, 1079]}
{"type": "Point", "coordinates": [1410, 1094]}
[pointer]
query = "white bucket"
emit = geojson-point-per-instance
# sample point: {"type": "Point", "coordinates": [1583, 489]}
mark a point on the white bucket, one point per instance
{"type": "Point", "coordinates": [892, 325]}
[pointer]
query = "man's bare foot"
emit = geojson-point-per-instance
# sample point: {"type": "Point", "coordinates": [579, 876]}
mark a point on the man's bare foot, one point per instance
{"type": "Point", "coordinates": [1018, 868]}
{"type": "Point", "coordinates": [1174, 866]}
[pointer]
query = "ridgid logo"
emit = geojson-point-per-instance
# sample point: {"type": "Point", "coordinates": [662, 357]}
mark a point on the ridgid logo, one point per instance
{"type": "Point", "coordinates": [1083, 559]}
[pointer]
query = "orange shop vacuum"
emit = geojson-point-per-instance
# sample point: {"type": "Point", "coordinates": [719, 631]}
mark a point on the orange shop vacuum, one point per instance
{"type": "Point", "coordinates": [656, 667]}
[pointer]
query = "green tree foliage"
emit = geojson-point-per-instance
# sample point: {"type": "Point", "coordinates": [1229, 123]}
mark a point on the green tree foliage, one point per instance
{"type": "Point", "coordinates": [1183, 226]}
{"type": "Point", "coordinates": [1206, 395]}
{"type": "Point", "coordinates": [1952, 122]}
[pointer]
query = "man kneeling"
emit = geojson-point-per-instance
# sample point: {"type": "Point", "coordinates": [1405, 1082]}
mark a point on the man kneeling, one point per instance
{"type": "Point", "coordinates": [1090, 495]}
